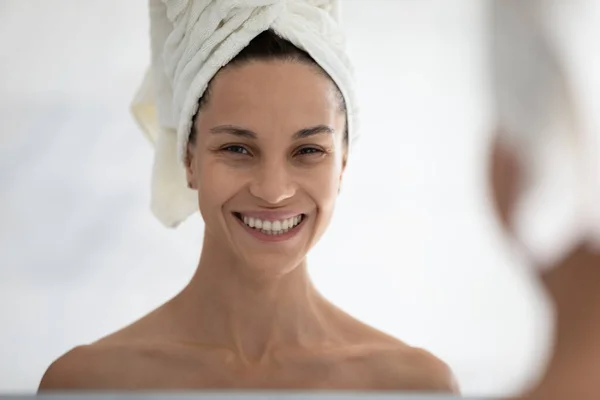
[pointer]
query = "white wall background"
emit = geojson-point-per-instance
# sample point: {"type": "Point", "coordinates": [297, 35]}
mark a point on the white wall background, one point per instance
{"type": "Point", "coordinates": [413, 250]}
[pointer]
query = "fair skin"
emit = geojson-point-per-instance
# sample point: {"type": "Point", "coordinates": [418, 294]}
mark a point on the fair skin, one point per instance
{"type": "Point", "coordinates": [268, 145]}
{"type": "Point", "coordinates": [573, 284]}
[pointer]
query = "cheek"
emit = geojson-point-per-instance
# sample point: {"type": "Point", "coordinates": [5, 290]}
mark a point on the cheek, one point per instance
{"type": "Point", "coordinates": [323, 184]}
{"type": "Point", "coordinates": [216, 185]}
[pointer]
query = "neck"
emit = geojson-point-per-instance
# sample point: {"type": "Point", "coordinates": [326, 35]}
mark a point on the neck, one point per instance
{"type": "Point", "coordinates": [253, 316]}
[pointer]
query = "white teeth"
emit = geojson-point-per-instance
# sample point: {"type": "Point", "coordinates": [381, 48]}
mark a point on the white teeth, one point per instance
{"type": "Point", "coordinates": [272, 227]}
{"type": "Point", "coordinates": [249, 221]}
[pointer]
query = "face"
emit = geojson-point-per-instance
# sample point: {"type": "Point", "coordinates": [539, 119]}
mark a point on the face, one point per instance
{"type": "Point", "coordinates": [267, 162]}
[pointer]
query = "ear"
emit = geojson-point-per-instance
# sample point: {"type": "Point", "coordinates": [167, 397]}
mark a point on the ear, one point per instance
{"type": "Point", "coordinates": [190, 166]}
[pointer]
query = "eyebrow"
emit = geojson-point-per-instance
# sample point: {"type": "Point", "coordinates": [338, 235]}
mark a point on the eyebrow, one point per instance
{"type": "Point", "coordinates": [246, 133]}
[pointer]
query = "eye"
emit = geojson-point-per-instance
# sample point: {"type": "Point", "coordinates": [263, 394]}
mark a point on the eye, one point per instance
{"type": "Point", "coordinates": [236, 149]}
{"type": "Point", "coordinates": [309, 151]}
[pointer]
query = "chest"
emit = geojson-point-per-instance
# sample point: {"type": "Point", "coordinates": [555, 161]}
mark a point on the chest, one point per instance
{"type": "Point", "coordinates": [197, 372]}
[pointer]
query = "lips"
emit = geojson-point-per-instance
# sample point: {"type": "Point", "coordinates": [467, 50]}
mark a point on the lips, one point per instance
{"type": "Point", "coordinates": [271, 226]}
{"type": "Point", "coordinates": [268, 224]}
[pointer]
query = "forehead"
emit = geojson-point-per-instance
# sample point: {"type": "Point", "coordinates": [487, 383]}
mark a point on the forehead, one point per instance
{"type": "Point", "coordinates": [266, 94]}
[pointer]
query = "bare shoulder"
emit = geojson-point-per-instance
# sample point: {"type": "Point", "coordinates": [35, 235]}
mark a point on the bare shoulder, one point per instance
{"type": "Point", "coordinates": [108, 363]}
{"type": "Point", "coordinates": [390, 364]}
{"type": "Point", "coordinates": [84, 367]}
{"type": "Point", "coordinates": [409, 368]}
{"type": "Point", "coordinates": [430, 371]}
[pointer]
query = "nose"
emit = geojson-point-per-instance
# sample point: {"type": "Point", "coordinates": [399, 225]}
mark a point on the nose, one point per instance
{"type": "Point", "coordinates": [273, 184]}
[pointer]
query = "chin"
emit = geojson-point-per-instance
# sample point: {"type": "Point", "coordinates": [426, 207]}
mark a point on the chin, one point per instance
{"type": "Point", "coordinates": [271, 265]}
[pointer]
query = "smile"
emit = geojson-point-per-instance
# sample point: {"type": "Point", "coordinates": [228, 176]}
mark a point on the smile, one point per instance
{"type": "Point", "coordinates": [273, 228]}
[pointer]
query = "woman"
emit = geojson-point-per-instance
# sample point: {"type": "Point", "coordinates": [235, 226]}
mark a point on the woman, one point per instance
{"type": "Point", "coordinates": [264, 156]}
{"type": "Point", "coordinates": [544, 65]}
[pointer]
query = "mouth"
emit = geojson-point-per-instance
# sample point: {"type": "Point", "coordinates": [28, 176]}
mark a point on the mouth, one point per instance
{"type": "Point", "coordinates": [275, 228]}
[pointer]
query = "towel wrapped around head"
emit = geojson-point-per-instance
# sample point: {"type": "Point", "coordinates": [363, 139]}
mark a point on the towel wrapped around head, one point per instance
{"type": "Point", "coordinates": [191, 40]}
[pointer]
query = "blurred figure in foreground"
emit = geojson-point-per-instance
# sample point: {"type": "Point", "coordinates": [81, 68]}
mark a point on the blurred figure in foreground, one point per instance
{"type": "Point", "coordinates": [545, 171]}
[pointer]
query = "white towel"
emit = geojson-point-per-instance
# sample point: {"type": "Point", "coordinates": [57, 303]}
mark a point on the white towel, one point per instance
{"type": "Point", "coordinates": [191, 40]}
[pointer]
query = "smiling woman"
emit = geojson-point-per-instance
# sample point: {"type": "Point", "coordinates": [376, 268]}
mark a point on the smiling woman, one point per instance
{"type": "Point", "coordinates": [264, 156]}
